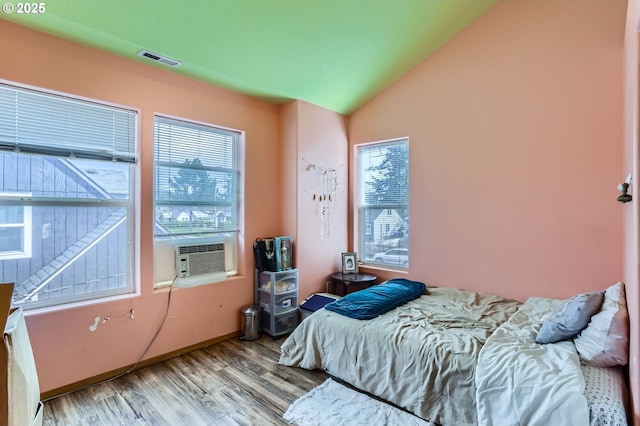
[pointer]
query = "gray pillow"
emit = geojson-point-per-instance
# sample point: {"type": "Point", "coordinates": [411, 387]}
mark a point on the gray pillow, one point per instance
{"type": "Point", "coordinates": [571, 318]}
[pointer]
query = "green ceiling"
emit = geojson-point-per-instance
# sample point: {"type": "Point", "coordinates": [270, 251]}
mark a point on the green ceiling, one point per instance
{"type": "Point", "coordinates": [333, 53]}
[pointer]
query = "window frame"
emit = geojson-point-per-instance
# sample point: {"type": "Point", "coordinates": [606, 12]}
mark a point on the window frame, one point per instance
{"type": "Point", "coordinates": [365, 227]}
{"type": "Point", "coordinates": [164, 274]}
{"type": "Point", "coordinates": [124, 151]}
{"type": "Point", "coordinates": [26, 227]}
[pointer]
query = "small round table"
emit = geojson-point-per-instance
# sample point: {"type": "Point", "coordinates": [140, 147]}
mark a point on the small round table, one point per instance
{"type": "Point", "coordinates": [348, 283]}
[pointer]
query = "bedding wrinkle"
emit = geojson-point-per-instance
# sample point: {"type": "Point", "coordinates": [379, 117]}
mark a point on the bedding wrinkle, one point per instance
{"type": "Point", "coordinates": [420, 356]}
{"type": "Point", "coordinates": [520, 382]}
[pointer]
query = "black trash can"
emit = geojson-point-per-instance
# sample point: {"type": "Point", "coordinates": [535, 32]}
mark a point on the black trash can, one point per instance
{"type": "Point", "coordinates": [251, 323]}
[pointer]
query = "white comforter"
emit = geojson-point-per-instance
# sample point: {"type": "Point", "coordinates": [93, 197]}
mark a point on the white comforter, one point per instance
{"type": "Point", "coordinates": [421, 356]}
{"type": "Point", "coordinates": [519, 382]}
{"type": "Point", "coordinates": [452, 357]}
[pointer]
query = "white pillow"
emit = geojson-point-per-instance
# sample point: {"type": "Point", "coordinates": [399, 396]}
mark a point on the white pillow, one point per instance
{"type": "Point", "coordinates": [605, 341]}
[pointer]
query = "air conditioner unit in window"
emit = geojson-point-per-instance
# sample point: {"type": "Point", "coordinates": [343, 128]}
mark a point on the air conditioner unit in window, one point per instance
{"type": "Point", "coordinates": [193, 260]}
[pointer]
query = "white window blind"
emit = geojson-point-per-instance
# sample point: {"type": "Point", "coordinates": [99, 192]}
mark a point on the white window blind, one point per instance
{"type": "Point", "coordinates": [67, 197]}
{"type": "Point", "coordinates": [197, 172]}
{"type": "Point", "coordinates": [384, 203]}
{"type": "Point", "coordinates": [32, 121]}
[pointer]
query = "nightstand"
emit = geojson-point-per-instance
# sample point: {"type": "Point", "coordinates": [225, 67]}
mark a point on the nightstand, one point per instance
{"type": "Point", "coordinates": [342, 284]}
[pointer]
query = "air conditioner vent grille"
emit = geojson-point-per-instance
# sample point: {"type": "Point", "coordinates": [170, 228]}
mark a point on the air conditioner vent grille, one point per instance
{"type": "Point", "coordinates": [159, 58]}
{"type": "Point", "coordinates": [200, 248]}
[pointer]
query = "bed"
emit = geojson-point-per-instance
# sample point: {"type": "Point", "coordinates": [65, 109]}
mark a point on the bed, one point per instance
{"type": "Point", "coordinates": [458, 357]}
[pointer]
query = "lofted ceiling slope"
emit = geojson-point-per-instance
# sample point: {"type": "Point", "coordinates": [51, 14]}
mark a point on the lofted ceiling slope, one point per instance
{"type": "Point", "coordinates": [337, 54]}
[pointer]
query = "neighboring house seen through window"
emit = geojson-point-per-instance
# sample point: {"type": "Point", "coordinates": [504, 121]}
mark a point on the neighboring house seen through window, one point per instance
{"type": "Point", "coordinates": [383, 205]}
{"type": "Point", "coordinates": [67, 197]}
{"type": "Point", "coordinates": [15, 231]}
{"type": "Point", "coordinates": [197, 188]}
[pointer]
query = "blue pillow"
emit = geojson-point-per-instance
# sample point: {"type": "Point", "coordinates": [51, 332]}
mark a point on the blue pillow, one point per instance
{"type": "Point", "coordinates": [378, 299]}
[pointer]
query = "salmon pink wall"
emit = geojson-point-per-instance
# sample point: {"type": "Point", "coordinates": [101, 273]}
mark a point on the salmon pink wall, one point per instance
{"type": "Point", "coordinates": [314, 142]}
{"type": "Point", "coordinates": [631, 212]}
{"type": "Point", "coordinates": [515, 130]}
{"type": "Point", "coordinates": [288, 225]}
{"type": "Point", "coordinates": [66, 351]}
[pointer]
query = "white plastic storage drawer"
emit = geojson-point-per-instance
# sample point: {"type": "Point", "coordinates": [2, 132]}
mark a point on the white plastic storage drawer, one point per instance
{"type": "Point", "coordinates": [282, 302]}
{"type": "Point", "coordinates": [282, 282]}
{"type": "Point", "coordinates": [276, 325]}
{"type": "Point", "coordinates": [277, 295]}
{"type": "Point", "coordinates": [286, 323]}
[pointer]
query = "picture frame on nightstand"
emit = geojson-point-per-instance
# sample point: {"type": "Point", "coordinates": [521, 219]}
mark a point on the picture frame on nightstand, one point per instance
{"type": "Point", "coordinates": [349, 263]}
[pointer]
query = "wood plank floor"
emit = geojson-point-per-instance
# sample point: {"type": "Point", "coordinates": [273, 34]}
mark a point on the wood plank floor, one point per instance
{"type": "Point", "coordinates": [230, 383]}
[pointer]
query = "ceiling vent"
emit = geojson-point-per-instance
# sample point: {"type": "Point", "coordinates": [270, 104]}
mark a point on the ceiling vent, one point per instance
{"type": "Point", "coordinates": [159, 58]}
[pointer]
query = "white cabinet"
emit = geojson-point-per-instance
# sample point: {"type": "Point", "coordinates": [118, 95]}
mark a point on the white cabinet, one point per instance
{"type": "Point", "coordinates": [277, 296]}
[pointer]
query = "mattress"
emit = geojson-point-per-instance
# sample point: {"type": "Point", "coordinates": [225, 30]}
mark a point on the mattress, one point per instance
{"type": "Point", "coordinates": [463, 358]}
{"type": "Point", "coordinates": [607, 395]}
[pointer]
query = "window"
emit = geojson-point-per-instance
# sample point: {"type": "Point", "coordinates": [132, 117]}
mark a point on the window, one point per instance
{"type": "Point", "coordinates": [383, 204]}
{"type": "Point", "coordinates": [66, 197]}
{"type": "Point", "coordinates": [197, 190]}
{"type": "Point", "coordinates": [15, 231]}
